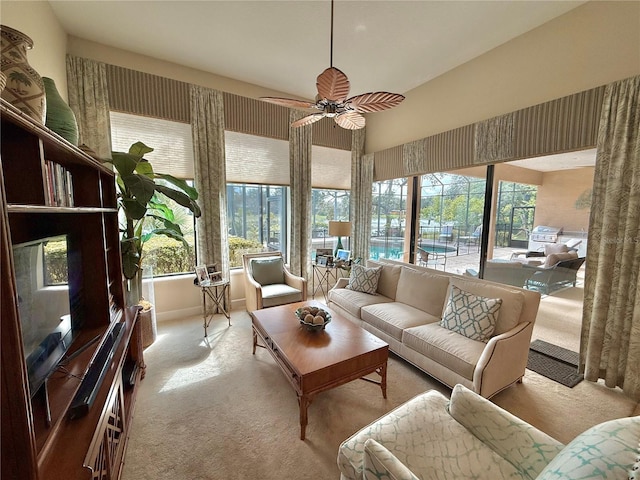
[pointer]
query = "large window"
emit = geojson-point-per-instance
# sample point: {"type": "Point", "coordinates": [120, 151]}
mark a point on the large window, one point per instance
{"type": "Point", "coordinates": [257, 218]}
{"type": "Point", "coordinates": [173, 154]}
{"type": "Point", "coordinates": [388, 219]}
{"type": "Point", "coordinates": [327, 205]}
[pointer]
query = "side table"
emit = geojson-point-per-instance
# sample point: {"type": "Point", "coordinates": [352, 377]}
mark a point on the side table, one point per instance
{"type": "Point", "coordinates": [327, 278]}
{"type": "Point", "coordinates": [218, 293]}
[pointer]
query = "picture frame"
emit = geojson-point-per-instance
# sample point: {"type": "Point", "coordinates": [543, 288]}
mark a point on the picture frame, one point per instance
{"type": "Point", "coordinates": [321, 261]}
{"type": "Point", "coordinates": [323, 252]}
{"type": "Point", "coordinates": [343, 255]}
{"type": "Point", "coordinates": [202, 275]}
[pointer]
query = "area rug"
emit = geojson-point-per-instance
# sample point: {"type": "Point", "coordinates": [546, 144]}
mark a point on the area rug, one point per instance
{"type": "Point", "coordinates": [554, 362]}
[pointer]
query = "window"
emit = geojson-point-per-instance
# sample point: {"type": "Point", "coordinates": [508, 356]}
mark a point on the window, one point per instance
{"type": "Point", "coordinates": [257, 218]}
{"type": "Point", "coordinates": [388, 219]}
{"type": "Point", "coordinates": [327, 205]}
{"type": "Point", "coordinates": [173, 154]}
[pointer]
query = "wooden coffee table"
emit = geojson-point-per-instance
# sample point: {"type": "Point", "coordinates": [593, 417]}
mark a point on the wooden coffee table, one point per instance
{"type": "Point", "coordinates": [315, 361]}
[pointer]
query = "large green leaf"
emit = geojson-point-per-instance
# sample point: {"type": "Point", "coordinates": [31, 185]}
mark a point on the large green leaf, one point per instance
{"type": "Point", "coordinates": [171, 234]}
{"type": "Point", "coordinates": [140, 187]}
{"type": "Point", "coordinates": [133, 209]}
{"type": "Point", "coordinates": [125, 163]}
{"type": "Point", "coordinates": [180, 198]}
{"type": "Point", "coordinates": [130, 257]}
{"type": "Point", "coordinates": [161, 210]}
{"type": "Point", "coordinates": [139, 149]}
{"type": "Point", "coordinates": [145, 168]}
{"type": "Point", "coordinates": [181, 184]}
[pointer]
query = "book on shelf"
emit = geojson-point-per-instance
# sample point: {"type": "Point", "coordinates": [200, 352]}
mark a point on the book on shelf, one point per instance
{"type": "Point", "coordinates": [59, 183]}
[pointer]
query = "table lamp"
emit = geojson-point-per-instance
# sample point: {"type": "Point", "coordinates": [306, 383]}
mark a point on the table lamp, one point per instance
{"type": "Point", "coordinates": [339, 229]}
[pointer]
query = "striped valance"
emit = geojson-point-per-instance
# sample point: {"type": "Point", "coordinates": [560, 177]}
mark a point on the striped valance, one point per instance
{"type": "Point", "coordinates": [563, 125]}
{"type": "Point", "coordinates": [140, 93]}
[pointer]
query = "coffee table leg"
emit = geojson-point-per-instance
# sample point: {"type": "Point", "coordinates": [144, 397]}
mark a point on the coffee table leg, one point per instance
{"type": "Point", "coordinates": [383, 380]}
{"type": "Point", "coordinates": [303, 400]}
{"type": "Point", "coordinates": [255, 341]}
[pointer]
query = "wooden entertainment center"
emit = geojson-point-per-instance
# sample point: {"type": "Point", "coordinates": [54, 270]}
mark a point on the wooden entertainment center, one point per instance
{"type": "Point", "coordinates": [92, 445]}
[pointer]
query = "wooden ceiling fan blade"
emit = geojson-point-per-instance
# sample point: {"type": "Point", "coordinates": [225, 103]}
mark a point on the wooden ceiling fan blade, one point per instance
{"type": "Point", "coordinates": [375, 101]}
{"type": "Point", "coordinates": [333, 85]}
{"type": "Point", "coordinates": [288, 102]}
{"type": "Point", "coordinates": [350, 120]}
{"type": "Point", "coordinates": [308, 120]}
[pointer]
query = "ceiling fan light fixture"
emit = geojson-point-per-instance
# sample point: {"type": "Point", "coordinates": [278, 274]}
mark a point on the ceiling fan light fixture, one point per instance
{"type": "Point", "coordinates": [333, 89]}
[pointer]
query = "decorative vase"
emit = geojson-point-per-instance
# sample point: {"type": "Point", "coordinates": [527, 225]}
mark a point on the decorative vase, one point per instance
{"type": "Point", "coordinates": [24, 89]}
{"type": "Point", "coordinates": [60, 117]}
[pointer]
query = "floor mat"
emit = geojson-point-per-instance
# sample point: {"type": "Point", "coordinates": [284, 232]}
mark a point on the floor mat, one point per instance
{"type": "Point", "coordinates": [556, 363]}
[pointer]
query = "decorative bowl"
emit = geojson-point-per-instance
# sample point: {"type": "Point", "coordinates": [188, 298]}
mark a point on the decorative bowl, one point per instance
{"type": "Point", "coordinates": [313, 318]}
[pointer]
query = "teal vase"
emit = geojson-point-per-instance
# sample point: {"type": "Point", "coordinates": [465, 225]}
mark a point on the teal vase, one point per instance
{"type": "Point", "coordinates": [60, 117]}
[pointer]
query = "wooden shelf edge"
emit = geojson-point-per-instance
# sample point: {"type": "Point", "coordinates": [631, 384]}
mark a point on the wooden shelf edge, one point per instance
{"type": "Point", "coordinates": [15, 208]}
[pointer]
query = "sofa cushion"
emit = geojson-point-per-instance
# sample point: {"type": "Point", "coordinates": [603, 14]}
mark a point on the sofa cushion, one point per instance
{"type": "Point", "coordinates": [512, 300]}
{"type": "Point", "coordinates": [353, 301]}
{"type": "Point", "coordinates": [554, 258]}
{"type": "Point", "coordinates": [422, 435]}
{"type": "Point", "coordinates": [364, 279]}
{"type": "Point", "coordinates": [267, 271]}
{"type": "Point", "coordinates": [388, 281]}
{"type": "Point", "coordinates": [422, 290]}
{"type": "Point", "coordinates": [279, 294]}
{"type": "Point", "coordinates": [450, 349]}
{"type": "Point", "coordinates": [392, 318]}
{"type": "Point", "coordinates": [471, 315]}
{"type": "Point", "coordinates": [607, 450]}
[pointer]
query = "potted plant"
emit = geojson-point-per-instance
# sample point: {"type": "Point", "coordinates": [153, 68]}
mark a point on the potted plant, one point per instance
{"type": "Point", "coordinates": [142, 198]}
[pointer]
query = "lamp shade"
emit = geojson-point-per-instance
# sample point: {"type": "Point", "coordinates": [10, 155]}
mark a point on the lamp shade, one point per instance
{"type": "Point", "coordinates": [339, 229]}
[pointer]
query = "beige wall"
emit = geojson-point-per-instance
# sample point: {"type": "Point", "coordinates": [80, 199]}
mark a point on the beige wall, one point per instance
{"type": "Point", "coordinates": [36, 19]}
{"type": "Point", "coordinates": [592, 45]}
{"type": "Point", "coordinates": [556, 201]}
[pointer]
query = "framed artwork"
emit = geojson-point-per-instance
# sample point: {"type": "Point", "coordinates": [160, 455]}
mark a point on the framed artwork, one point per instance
{"type": "Point", "coordinates": [343, 255]}
{"type": "Point", "coordinates": [323, 252]}
{"type": "Point", "coordinates": [321, 261]}
{"type": "Point", "coordinates": [202, 275]}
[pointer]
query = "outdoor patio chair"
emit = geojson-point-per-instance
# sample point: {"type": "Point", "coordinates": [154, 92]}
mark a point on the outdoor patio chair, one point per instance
{"type": "Point", "coordinates": [562, 274]}
{"type": "Point", "coordinates": [423, 257]}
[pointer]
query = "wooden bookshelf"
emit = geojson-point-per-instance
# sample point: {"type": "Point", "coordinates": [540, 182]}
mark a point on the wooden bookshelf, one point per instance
{"type": "Point", "coordinates": [91, 446]}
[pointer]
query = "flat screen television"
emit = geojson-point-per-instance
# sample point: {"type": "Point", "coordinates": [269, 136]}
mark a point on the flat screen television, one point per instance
{"type": "Point", "coordinates": [41, 268]}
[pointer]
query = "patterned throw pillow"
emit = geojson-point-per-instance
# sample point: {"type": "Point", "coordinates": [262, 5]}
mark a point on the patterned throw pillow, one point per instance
{"type": "Point", "coordinates": [470, 315]}
{"type": "Point", "coordinates": [364, 279]}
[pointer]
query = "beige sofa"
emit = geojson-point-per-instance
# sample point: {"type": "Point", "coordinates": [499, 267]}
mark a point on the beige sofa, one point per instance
{"type": "Point", "coordinates": [406, 312]}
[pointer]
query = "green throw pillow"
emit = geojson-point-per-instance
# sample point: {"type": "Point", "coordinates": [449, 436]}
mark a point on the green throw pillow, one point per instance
{"type": "Point", "coordinates": [470, 315]}
{"type": "Point", "coordinates": [267, 271]}
{"type": "Point", "coordinates": [364, 279]}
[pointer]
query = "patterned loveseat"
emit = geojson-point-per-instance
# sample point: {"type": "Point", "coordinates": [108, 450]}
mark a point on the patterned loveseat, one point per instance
{"type": "Point", "coordinates": [430, 437]}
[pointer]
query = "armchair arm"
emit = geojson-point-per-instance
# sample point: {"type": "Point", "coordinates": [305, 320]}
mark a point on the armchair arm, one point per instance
{"type": "Point", "coordinates": [252, 294]}
{"type": "Point", "coordinates": [381, 463]}
{"type": "Point", "coordinates": [503, 360]}
{"type": "Point", "coordinates": [521, 444]}
{"type": "Point", "coordinates": [296, 282]}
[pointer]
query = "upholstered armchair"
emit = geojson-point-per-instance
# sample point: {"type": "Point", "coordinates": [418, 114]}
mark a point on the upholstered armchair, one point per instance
{"type": "Point", "coordinates": [268, 282]}
{"type": "Point", "coordinates": [469, 437]}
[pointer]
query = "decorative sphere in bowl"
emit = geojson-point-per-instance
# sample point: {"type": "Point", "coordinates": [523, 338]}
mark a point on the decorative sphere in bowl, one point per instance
{"type": "Point", "coordinates": [313, 318]}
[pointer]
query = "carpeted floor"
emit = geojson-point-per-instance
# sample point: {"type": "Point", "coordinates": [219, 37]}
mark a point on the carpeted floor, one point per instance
{"type": "Point", "coordinates": [209, 409]}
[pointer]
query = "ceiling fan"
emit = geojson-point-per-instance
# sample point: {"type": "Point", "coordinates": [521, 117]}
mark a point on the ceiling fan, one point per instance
{"type": "Point", "coordinates": [333, 88]}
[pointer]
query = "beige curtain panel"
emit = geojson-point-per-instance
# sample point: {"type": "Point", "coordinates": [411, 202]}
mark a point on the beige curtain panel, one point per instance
{"type": "Point", "coordinates": [89, 100]}
{"type": "Point", "coordinates": [360, 201]}
{"type": "Point", "coordinates": [610, 341]}
{"type": "Point", "coordinates": [207, 126]}
{"type": "Point", "coordinates": [300, 141]}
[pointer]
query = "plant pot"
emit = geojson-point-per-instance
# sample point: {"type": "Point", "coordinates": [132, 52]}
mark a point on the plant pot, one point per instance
{"type": "Point", "coordinates": [25, 88]}
{"type": "Point", "coordinates": [60, 118]}
{"type": "Point", "coordinates": [148, 327]}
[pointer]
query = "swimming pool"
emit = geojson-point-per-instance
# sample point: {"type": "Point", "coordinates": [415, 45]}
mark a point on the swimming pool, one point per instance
{"type": "Point", "coordinates": [394, 250]}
